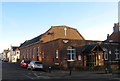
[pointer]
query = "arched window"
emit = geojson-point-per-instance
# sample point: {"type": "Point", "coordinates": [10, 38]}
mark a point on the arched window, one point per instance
{"type": "Point", "coordinates": [105, 53]}
{"type": "Point", "coordinates": [71, 52]}
{"type": "Point", "coordinates": [37, 51]}
{"type": "Point", "coordinates": [30, 52]}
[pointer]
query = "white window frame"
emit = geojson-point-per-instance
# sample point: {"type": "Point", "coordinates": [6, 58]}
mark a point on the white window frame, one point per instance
{"type": "Point", "coordinates": [99, 56]}
{"type": "Point", "coordinates": [27, 54]}
{"type": "Point", "coordinates": [72, 53]}
{"type": "Point", "coordinates": [43, 55]}
{"type": "Point", "coordinates": [56, 54]}
{"type": "Point", "coordinates": [79, 57]}
{"type": "Point", "coordinates": [106, 54]}
{"type": "Point", "coordinates": [33, 52]}
{"type": "Point", "coordinates": [30, 53]}
{"type": "Point", "coordinates": [23, 55]}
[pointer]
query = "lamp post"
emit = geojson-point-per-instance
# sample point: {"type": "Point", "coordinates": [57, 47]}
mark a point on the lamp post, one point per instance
{"type": "Point", "coordinates": [110, 59]}
{"type": "Point", "coordinates": [110, 69]}
{"type": "Point", "coordinates": [69, 66]}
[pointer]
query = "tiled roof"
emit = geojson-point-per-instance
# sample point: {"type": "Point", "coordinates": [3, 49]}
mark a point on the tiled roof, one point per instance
{"type": "Point", "coordinates": [89, 48]}
{"type": "Point", "coordinates": [14, 48]}
{"type": "Point", "coordinates": [115, 36]}
{"type": "Point", "coordinates": [28, 42]}
{"type": "Point", "coordinates": [57, 32]}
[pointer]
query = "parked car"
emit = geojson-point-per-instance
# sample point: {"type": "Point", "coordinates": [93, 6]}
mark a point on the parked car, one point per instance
{"type": "Point", "coordinates": [6, 60]}
{"type": "Point", "coordinates": [35, 65]}
{"type": "Point", "coordinates": [2, 59]}
{"type": "Point", "coordinates": [24, 63]}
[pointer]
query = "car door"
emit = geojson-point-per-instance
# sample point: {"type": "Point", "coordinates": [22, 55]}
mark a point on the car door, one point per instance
{"type": "Point", "coordinates": [21, 64]}
{"type": "Point", "coordinates": [29, 65]}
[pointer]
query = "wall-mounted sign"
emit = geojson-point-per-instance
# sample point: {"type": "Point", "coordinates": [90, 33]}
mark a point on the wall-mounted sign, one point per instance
{"type": "Point", "coordinates": [65, 41]}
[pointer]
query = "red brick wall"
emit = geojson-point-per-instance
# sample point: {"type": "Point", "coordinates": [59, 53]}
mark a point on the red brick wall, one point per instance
{"type": "Point", "coordinates": [30, 52]}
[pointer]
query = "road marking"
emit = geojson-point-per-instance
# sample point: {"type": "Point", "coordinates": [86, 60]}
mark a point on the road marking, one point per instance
{"type": "Point", "coordinates": [46, 77]}
{"type": "Point", "coordinates": [35, 74]}
{"type": "Point", "coordinates": [117, 78]}
{"type": "Point", "coordinates": [29, 77]}
{"type": "Point", "coordinates": [29, 73]}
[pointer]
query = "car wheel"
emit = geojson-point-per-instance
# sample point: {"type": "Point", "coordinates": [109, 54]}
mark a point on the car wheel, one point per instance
{"type": "Point", "coordinates": [32, 68]}
{"type": "Point", "coordinates": [28, 68]}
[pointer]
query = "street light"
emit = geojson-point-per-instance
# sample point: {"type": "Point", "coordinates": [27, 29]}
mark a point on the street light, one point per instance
{"type": "Point", "coordinates": [110, 59]}
{"type": "Point", "coordinates": [69, 66]}
{"type": "Point", "coordinates": [110, 69]}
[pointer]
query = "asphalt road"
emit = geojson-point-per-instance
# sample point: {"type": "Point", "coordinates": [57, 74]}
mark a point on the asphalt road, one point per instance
{"type": "Point", "coordinates": [12, 71]}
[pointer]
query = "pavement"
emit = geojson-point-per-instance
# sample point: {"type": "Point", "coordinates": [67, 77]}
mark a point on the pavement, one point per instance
{"type": "Point", "coordinates": [16, 72]}
{"type": "Point", "coordinates": [60, 74]}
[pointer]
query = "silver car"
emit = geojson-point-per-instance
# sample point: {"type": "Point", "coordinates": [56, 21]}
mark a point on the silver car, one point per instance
{"type": "Point", "coordinates": [35, 65]}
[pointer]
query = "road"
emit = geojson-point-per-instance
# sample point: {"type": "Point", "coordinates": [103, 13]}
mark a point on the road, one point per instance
{"type": "Point", "coordinates": [12, 71]}
{"type": "Point", "coordinates": [15, 72]}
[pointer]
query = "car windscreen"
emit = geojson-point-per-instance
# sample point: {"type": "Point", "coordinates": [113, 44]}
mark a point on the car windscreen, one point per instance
{"type": "Point", "coordinates": [26, 61]}
{"type": "Point", "coordinates": [38, 63]}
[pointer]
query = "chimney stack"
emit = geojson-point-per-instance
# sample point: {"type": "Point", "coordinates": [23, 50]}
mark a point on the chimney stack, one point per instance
{"type": "Point", "coordinates": [116, 27]}
{"type": "Point", "coordinates": [108, 36]}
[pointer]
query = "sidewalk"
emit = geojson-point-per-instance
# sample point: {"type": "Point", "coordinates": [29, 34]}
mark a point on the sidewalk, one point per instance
{"type": "Point", "coordinates": [61, 74]}
{"type": "Point", "coordinates": [82, 75]}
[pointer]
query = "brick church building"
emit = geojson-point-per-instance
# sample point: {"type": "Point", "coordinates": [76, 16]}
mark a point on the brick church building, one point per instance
{"type": "Point", "coordinates": [61, 45]}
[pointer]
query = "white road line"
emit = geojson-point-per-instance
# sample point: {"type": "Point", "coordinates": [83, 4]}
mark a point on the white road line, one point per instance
{"type": "Point", "coordinates": [35, 74]}
{"type": "Point", "coordinates": [28, 76]}
{"type": "Point", "coordinates": [46, 77]}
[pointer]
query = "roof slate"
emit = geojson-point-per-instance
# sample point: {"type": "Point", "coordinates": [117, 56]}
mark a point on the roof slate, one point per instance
{"type": "Point", "coordinates": [27, 42]}
{"type": "Point", "coordinates": [115, 36]}
{"type": "Point", "coordinates": [14, 48]}
{"type": "Point", "coordinates": [90, 48]}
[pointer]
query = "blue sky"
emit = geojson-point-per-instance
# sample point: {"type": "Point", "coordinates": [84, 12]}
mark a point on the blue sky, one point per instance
{"type": "Point", "coordinates": [25, 20]}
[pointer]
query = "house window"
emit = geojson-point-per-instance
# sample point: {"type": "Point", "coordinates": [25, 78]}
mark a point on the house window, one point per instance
{"type": "Point", "coordinates": [23, 55]}
{"type": "Point", "coordinates": [56, 53]}
{"type": "Point", "coordinates": [117, 54]}
{"type": "Point", "coordinates": [79, 57]}
{"type": "Point", "coordinates": [106, 54]}
{"type": "Point", "coordinates": [43, 55]}
{"type": "Point", "coordinates": [30, 53]}
{"type": "Point", "coordinates": [99, 57]}
{"type": "Point", "coordinates": [71, 54]}
{"type": "Point", "coordinates": [17, 52]}
{"type": "Point", "coordinates": [27, 54]}
{"type": "Point", "coordinates": [38, 51]}
{"type": "Point", "coordinates": [33, 52]}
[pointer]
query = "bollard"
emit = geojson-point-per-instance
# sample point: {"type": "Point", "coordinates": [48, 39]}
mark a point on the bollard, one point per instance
{"type": "Point", "coordinates": [106, 70]}
{"type": "Point", "coordinates": [70, 72]}
{"type": "Point", "coordinates": [49, 69]}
